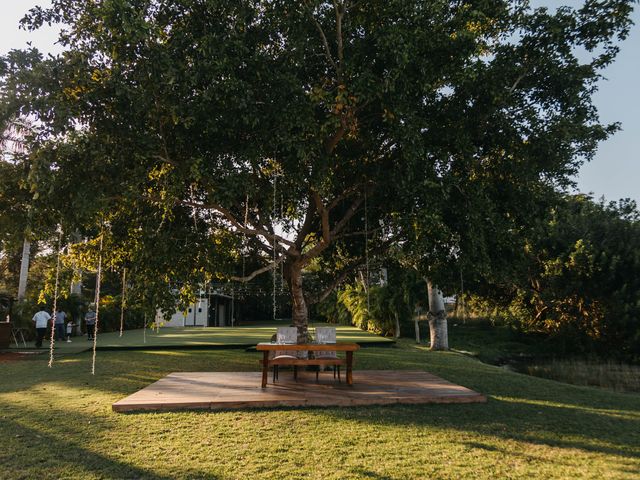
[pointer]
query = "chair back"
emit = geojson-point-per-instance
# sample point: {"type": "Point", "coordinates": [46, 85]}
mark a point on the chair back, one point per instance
{"type": "Point", "coordinates": [286, 335]}
{"type": "Point", "coordinates": [325, 335]}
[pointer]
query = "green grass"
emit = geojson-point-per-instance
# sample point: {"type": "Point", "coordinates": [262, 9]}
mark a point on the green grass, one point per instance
{"type": "Point", "coordinates": [493, 344]}
{"type": "Point", "coordinates": [192, 337]}
{"type": "Point", "coordinates": [539, 356]}
{"type": "Point", "coordinates": [58, 423]}
{"type": "Point", "coordinates": [612, 375]}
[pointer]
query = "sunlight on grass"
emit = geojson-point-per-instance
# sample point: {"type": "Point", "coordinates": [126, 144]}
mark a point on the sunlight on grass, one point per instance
{"type": "Point", "coordinates": [167, 353]}
{"type": "Point", "coordinates": [65, 397]}
{"type": "Point", "coordinates": [624, 414]}
{"type": "Point", "coordinates": [243, 336]}
{"type": "Point", "coordinates": [530, 428]}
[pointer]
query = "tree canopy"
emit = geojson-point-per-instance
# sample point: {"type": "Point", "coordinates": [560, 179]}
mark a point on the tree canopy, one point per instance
{"type": "Point", "coordinates": [198, 131]}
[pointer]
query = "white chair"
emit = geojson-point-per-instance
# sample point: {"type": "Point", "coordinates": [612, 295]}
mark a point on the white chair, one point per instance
{"type": "Point", "coordinates": [327, 335]}
{"type": "Point", "coordinates": [285, 335]}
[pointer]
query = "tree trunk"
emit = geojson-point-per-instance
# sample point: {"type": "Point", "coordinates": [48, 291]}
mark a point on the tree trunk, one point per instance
{"type": "Point", "coordinates": [437, 318]}
{"type": "Point", "coordinates": [24, 269]}
{"type": "Point", "coordinates": [397, 332]}
{"type": "Point", "coordinates": [299, 310]}
{"type": "Point", "coordinates": [416, 319]}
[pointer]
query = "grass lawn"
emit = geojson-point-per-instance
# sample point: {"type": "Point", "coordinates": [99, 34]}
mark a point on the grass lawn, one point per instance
{"type": "Point", "coordinates": [58, 423]}
{"type": "Point", "coordinates": [194, 337]}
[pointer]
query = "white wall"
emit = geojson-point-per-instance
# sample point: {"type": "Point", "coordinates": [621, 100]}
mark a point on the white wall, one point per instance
{"type": "Point", "coordinates": [186, 318]}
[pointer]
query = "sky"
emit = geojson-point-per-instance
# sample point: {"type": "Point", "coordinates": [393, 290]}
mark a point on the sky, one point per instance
{"type": "Point", "coordinates": [614, 173]}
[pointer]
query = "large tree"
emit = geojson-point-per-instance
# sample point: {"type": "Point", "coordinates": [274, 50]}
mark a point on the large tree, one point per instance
{"type": "Point", "coordinates": [279, 121]}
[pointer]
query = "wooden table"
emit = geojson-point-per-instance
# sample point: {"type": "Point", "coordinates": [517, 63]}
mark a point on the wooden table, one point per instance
{"type": "Point", "coordinates": [349, 348]}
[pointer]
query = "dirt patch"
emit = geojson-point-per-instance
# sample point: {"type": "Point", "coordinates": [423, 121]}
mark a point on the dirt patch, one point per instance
{"type": "Point", "coordinates": [14, 356]}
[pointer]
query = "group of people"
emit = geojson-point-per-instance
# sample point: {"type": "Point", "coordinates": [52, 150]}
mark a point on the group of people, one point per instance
{"type": "Point", "coordinates": [61, 330]}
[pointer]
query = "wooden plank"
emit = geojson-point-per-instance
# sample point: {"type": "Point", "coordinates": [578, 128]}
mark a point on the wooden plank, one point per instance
{"type": "Point", "coordinates": [306, 361]}
{"type": "Point", "coordinates": [312, 347]}
{"type": "Point", "coordinates": [241, 390]}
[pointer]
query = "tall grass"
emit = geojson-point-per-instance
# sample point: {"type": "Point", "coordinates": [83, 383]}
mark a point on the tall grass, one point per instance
{"type": "Point", "coordinates": [615, 376]}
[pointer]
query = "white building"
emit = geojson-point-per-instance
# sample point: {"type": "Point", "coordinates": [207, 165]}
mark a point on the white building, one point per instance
{"type": "Point", "coordinates": [213, 310]}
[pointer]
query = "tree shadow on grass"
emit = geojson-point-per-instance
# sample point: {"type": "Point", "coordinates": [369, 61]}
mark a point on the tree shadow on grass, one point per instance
{"type": "Point", "coordinates": [626, 467]}
{"type": "Point", "coordinates": [545, 426]}
{"type": "Point", "coordinates": [369, 474]}
{"type": "Point", "coordinates": [520, 407]}
{"type": "Point", "coordinates": [58, 457]}
{"type": "Point", "coordinates": [28, 450]}
{"type": "Point", "coordinates": [119, 373]}
{"type": "Point", "coordinates": [588, 424]}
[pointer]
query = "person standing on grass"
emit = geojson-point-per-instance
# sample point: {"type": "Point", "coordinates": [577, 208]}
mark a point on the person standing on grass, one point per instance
{"type": "Point", "coordinates": [41, 319]}
{"type": "Point", "coordinates": [59, 318]}
{"type": "Point", "coordinates": [70, 326]}
{"type": "Point", "coordinates": [90, 320]}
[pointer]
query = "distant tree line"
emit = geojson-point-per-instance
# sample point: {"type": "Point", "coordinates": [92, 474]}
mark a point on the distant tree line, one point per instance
{"type": "Point", "coordinates": [575, 279]}
{"type": "Point", "coordinates": [579, 279]}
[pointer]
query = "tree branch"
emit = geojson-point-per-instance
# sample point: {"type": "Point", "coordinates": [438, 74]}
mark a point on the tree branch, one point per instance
{"type": "Point", "coordinates": [347, 270]}
{"type": "Point", "coordinates": [331, 142]}
{"type": "Point", "coordinates": [166, 160]}
{"type": "Point", "coordinates": [328, 238]}
{"type": "Point", "coordinates": [518, 80]}
{"type": "Point", "coordinates": [347, 216]}
{"type": "Point", "coordinates": [347, 193]}
{"type": "Point", "coordinates": [239, 226]}
{"type": "Point", "coordinates": [325, 43]}
{"type": "Point", "coordinates": [257, 272]}
{"type": "Point", "coordinates": [356, 234]}
{"type": "Point", "coordinates": [332, 286]}
{"type": "Point", "coordinates": [324, 217]}
{"type": "Point", "coordinates": [339, 8]}
{"type": "Point", "coordinates": [306, 226]}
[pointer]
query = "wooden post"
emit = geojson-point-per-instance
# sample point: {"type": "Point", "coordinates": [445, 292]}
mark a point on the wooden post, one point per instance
{"type": "Point", "coordinates": [349, 367]}
{"type": "Point", "coordinates": [265, 367]}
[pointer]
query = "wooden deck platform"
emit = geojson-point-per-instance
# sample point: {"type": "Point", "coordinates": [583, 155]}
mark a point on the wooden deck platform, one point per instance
{"type": "Point", "coordinates": [240, 390]}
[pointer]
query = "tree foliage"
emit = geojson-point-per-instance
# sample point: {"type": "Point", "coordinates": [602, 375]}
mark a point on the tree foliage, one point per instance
{"type": "Point", "coordinates": [582, 282]}
{"type": "Point", "coordinates": [172, 125]}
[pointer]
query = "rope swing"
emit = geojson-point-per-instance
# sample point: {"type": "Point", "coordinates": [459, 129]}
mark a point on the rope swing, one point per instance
{"type": "Point", "coordinates": [463, 307]}
{"type": "Point", "coordinates": [97, 301]}
{"type": "Point", "coordinates": [244, 237]}
{"type": "Point", "coordinates": [122, 303]}
{"type": "Point", "coordinates": [366, 250]}
{"type": "Point", "coordinates": [55, 303]}
{"type": "Point", "coordinates": [275, 266]}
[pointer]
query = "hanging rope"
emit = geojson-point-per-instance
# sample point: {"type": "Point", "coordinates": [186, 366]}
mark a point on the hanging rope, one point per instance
{"type": "Point", "coordinates": [462, 303]}
{"type": "Point", "coordinates": [233, 305]}
{"type": "Point", "coordinates": [244, 236]}
{"type": "Point", "coordinates": [97, 301]}
{"type": "Point", "coordinates": [281, 263]}
{"type": "Point", "coordinates": [193, 209]}
{"type": "Point", "coordinates": [122, 303]}
{"type": "Point", "coordinates": [275, 268]}
{"type": "Point", "coordinates": [366, 250]}
{"type": "Point", "coordinates": [55, 303]}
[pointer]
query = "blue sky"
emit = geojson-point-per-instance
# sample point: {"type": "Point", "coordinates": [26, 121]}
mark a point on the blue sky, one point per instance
{"type": "Point", "coordinates": [615, 171]}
